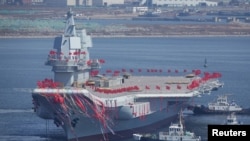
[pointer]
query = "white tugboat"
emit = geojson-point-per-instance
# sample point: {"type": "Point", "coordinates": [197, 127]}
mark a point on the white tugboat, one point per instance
{"type": "Point", "coordinates": [176, 133]}
{"type": "Point", "coordinates": [221, 106]}
{"type": "Point", "coordinates": [232, 119]}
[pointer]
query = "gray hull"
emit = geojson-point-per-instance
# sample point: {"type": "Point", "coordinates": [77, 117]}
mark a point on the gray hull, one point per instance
{"type": "Point", "coordinates": [123, 128]}
{"type": "Point", "coordinates": [162, 111]}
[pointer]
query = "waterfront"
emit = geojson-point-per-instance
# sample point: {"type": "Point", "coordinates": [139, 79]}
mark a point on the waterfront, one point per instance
{"type": "Point", "coordinates": [43, 22]}
{"type": "Point", "coordinates": [22, 65]}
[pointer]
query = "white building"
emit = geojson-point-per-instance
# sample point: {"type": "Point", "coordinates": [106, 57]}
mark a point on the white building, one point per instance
{"type": "Point", "coordinates": [140, 10]}
{"type": "Point", "coordinates": [79, 2]}
{"type": "Point", "coordinates": [84, 2]}
{"type": "Point", "coordinates": [181, 3]}
{"type": "Point", "coordinates": [107, 2]}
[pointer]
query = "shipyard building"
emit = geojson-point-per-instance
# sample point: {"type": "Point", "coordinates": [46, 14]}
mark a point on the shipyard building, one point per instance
{"type": "Point", "coordinates": [168, 3]}
{"type": "Point", "coordinates": [64, 2]}
{"type": "Point", "coordinates": [83, 2]}
{"type": "Point", "coordinates": [178, 3]}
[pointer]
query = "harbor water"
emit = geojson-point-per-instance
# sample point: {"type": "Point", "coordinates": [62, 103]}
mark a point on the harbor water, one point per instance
{"type": "Point", "coordinates": [22, 65]}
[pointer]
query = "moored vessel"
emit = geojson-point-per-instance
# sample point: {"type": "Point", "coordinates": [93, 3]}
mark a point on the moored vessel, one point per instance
{"type": "Point", "coordinates": [176, 132]}
{"type": "Point", "coordinates": [221, 105]}
{"type": "Point", "coordinates": [91, 106]}
{"type": "Point", "coordinates": [232, 119]}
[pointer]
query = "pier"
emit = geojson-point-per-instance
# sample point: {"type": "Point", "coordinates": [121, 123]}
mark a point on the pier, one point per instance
{"type": "Point", "coordinates": [197, 19]}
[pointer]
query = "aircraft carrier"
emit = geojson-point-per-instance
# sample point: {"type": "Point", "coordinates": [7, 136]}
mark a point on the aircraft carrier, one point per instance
{"type": "Point", "coordinates": [90, 106]}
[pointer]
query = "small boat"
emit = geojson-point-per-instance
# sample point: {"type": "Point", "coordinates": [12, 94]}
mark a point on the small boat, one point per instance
{"type": "Point", "coordinates": [220, 106]}
{"type": "Point", "coordinates": [232, 119]}
{"type": "Point", "coordinates": [176, 133]}
{"type": "Point", "coordinates": [205, 63]}
{"type": "Point", "coordinates": [211, 85]}
{"type": "Point", "coordinates": [187, 112]}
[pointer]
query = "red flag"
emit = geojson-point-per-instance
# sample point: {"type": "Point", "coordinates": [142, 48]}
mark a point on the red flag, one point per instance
{"type": "Point", "coordinates": [197, 72]}
{"type": "Point", "coordinates": [168, 87]}
{"type": "Point", "coordinates": [52, 52]}
{"type": "Point", "coordinates": [136, 88]}
{"type": "Point", "coordinates": [158, 87]}
{"type": "Point", "coordinates": [108, 71]}
{"type": "Point", "coordinates": [89, 62]}
{"type": "Point", "coordinates": [102, 61]}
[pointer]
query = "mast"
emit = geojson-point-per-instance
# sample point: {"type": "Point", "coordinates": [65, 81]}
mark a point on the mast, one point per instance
{"type": "Point", "coordinates": [70, 58]}
{"type": "Point", "coordinates": [181, 125]}
{"type": "Point", "coordinates": [70, 25]}
{"type": "Point", "coordinates": [205, 63]}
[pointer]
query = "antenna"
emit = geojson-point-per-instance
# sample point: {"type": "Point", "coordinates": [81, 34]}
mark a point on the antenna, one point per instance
{"type": "Point", "coordinates": [205, 63]}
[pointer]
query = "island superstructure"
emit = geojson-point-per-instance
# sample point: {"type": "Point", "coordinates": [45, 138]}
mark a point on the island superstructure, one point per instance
{"type": "Point", "coordinates": [90, 106]}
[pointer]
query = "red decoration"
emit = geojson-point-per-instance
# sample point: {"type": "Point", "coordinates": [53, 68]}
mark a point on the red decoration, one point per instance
{"type": "Point", "coordinates": [47, 83]}
{"type": "Point", "coordinates": [158, 87]}
{"type": "Point", "coordinates": [101, 61]}
{"type": "Point", "coordinates": [58, 99]}
{"type": "Point", "coordinates": [89, 62]}
{"type": "Point", "coordinates": [168, 87]}
{"type": "Point", "coordinates": [52, 52]}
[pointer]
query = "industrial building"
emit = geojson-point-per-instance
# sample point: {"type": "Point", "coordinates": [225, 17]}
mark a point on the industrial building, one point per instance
{"type": "Point", "coordinates": [22, 2]}
{"type": "Point", "coordinates": [107, 2]}
{"type": "Point", "coordinates": [178, 3]}
{"type": "Point", "coordinates": [64, 2]}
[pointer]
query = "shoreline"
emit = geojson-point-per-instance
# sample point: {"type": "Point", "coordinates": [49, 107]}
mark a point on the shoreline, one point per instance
{"type": "Point", "coordinates": [143, 36]}
{"type": "Point", "coordinates": [52, 29]}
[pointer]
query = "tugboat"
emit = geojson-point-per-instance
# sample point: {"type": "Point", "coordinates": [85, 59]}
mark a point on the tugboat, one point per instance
{"type": "Point", "coordinates": [176, 133]}
{"type": "Point", "coordinates": [220, 106]}
{"type": "Point", "coordinates": [232, 119]}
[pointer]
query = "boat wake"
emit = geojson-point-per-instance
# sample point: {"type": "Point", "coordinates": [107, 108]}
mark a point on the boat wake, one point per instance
{"type": "Point", "coordinates": [7, 90]}
{"type": "Point", "coordinates": [28, 90]}
{"type": "Point", "coordinates": [22, 138]}
{"type": "Point", "coordinates": [5, 111]}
